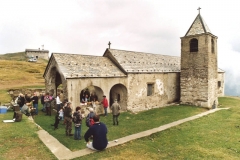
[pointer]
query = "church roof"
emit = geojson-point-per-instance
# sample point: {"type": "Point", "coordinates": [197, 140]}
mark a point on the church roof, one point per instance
{"type": "Point", "coordinates": [114, 63]}
{"type": "Point", "coordinates": [198, 27]}
{"type": "Point", "coordinates": [76, 66]}
{"type": "Point", "coordinates": [140, 62]}
{"type": "Point", "coordinates": [36, 50]}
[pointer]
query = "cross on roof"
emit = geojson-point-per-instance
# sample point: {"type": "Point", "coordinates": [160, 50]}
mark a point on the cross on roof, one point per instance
{"type": "Point", "coordinates": [199, 9]}
{"type": "Point", "coordinates": [109, 43]}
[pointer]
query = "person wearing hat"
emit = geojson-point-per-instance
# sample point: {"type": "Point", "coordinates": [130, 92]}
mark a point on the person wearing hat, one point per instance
{"type": "Point", "coordinates": [105, 105]}
{"type": "Point", "coordinates": [115, 111]}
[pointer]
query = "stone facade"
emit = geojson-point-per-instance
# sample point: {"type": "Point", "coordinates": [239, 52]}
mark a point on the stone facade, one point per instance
{"type": "Point", "coordinates": [37, 53]}
{"type": "Point", "coordinates": [221, 83]}
{"type": "Point", "coordinates": [199, 69]}
{"type": "Point", "coordinates": [140, 81]}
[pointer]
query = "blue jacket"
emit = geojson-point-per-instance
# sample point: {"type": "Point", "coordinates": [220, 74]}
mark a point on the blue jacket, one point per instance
{"type": "Point", "coordinates": [99, 133]}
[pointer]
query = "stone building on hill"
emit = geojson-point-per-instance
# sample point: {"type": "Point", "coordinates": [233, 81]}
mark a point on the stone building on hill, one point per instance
{"type": "Point", "coordinates": [37, 53]}
{"type": "Point", "coordinates": [142, 81]}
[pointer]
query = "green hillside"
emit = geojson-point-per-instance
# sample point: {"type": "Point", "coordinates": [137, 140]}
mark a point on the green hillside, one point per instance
{"type": "Point", "coordinates": [17, 72]}
{"type": "Point", "coordinates": [19, 56]}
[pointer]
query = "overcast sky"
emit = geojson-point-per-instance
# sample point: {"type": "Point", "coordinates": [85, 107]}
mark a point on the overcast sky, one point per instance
{"type": "Point", "coordinates": [152, 26]}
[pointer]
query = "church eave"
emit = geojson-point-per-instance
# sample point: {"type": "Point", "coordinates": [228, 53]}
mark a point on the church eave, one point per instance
{"type": "Point", "coordinates": [200, 35]}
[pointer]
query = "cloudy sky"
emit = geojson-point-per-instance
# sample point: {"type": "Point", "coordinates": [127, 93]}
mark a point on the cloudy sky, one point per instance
{"type": "Point", "coordinates": [153, 26]}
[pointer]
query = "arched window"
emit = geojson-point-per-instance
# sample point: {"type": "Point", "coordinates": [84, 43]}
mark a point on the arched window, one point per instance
{"type": "Point", "coordinates": [212, 45]}
{"type": "Point", "coordinates": [194, 45]}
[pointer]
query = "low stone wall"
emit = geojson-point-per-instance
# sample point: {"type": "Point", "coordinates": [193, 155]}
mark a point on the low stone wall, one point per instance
{"type": "Point", "coordinates": [15, 92]}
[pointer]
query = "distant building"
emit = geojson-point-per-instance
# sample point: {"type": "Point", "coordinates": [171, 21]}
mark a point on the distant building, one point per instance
{"type": "Point", "coordinates": [37, 53]}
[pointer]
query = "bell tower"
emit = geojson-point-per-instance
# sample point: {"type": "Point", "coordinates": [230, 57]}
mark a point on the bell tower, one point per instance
{"type": "Point", "coordinates": [198, 78]}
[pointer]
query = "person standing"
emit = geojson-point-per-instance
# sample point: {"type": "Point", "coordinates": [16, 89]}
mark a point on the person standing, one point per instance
{"type": "Point", "coordinates": [77, 119]}
{"type": "Point", "coordinates": [57, 119]}
{"type": "Point", "coordinates": [58, 102]}
{"type": "Point", "coordinates": [61, 98]}
{"type": "Point", "coordinates": [99, 133]}
{"type": "Point", "coordinates": [89, 118]}
{"type": "Point", "coordinates": [43, 103]}
{"type": "Point", "coordinates": [115, 111]}
{"type": "Point", "coordinates": [21, 100]}
{"type": "Point", "coordinates": [68, 119]}
{"type": "Point", "coordinates": [47, 99]}
{"type": "Point", "coordinates": [35, 102]}
{"type": "Point", "coordinates": [105, 105]}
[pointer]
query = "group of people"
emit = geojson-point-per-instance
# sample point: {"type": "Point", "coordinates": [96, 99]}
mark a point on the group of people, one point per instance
{"type": "Point", "coordinates": [86, 96]}
{"type": "Point", "coordinates": [48, 102]}
{"type": "Point", "coordinates": [97, 130]}
{"type": "Point", "coordinates": [28, 103]}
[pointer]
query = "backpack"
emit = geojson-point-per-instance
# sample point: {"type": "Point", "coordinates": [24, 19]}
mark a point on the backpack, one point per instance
{"type": "Point", "coordinates": [74, 119]}
{"type": "Point", "coordinates": [89, 120]}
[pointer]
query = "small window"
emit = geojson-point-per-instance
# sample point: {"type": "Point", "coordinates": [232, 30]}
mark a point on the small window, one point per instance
{"type": "Point", "coordinates": [212, 45]}
{"type": "Point", "coordinates": [219, 83]}
{"type": "Point", "coordinates": [150, 88]}
{"type": "Point", "coordinates": [194, 45]}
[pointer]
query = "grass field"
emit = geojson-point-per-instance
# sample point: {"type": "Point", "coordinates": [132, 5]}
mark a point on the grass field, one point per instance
{"type": "Point", "coordinates": [16, 72]}
{"type": "Point", "coordinates": [215, 136]}
{"type": "Point", "coordinates": [129, 123]}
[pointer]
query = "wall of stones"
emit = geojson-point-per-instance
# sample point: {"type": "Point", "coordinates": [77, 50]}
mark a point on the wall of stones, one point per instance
{"type": "Point", "coordinates": [221, 88]}
{"type": "Point", "coordinates": [75, 86]}
{"type": "Point", "coordinates": [50, 80]}
{"type": "Point", "coordinates": [198, 78]}
{"type": "Point", "coordinates": [15, 92]}
{"type": "Point", "coordinates": [166, 90]}
{"type": "Point", "coordinates": [43, 55]}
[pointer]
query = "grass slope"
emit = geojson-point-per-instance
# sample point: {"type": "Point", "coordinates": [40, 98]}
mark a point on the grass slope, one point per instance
{"type": "Point", "coordinates": [215, 136]}
{"type": "Point", "coordinates": [16, 72]}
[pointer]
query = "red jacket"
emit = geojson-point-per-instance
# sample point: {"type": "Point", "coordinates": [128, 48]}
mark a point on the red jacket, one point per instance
{"type": "Point", "coordinates": [105, 102]}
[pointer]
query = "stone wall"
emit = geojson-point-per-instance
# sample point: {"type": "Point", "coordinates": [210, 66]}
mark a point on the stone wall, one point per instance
{"type": "Point", "coordinates": [53, 78]}
{"type": "Point", "coordinates": [221, 84]}
{"type": "Point", "coordinates": [103, 85]}
{"type": "Point", "coordinates": [165, 90]}
{"type": "Point", "coordinates": [131, 90]}
{"type": "Point", "coordinates": [39, 54]}
{"type": "Point", "coordinates": [199, 72]}
{"type": "Point", "coordinates": [15, 92]}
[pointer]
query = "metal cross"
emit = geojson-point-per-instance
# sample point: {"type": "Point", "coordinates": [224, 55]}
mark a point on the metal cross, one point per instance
{"type": "Point", "coordinates": [109, 43]}
{"type": "Point", "coordinates": [199, 9]}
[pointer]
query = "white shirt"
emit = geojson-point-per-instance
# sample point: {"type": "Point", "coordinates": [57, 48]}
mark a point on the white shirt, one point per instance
{"type": "Point", "coordinates": [58, 100]}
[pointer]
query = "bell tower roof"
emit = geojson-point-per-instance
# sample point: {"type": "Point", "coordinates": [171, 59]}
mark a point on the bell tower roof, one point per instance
{"type": "Point", "coordinates": [198, 26]}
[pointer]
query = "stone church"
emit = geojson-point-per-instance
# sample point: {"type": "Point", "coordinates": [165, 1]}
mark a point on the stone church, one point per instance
{"type": "Point", "coordinates": [141, 81]}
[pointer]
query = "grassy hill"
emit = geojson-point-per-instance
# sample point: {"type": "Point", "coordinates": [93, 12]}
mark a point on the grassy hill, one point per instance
{"type": "Point", "coordinates": [17, 72]}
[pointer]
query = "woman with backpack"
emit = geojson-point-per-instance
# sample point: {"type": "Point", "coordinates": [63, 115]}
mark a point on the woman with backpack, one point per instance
{"type": "Point", "coordinates": [77, 120]}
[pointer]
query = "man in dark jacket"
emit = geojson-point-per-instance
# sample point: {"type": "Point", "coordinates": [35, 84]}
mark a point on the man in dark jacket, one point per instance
{"type": "Point", "coordinates": [99, 133]}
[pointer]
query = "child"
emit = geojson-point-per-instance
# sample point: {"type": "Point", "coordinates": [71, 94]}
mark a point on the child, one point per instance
{"type": "Point", "coordinates": [61, 113]}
